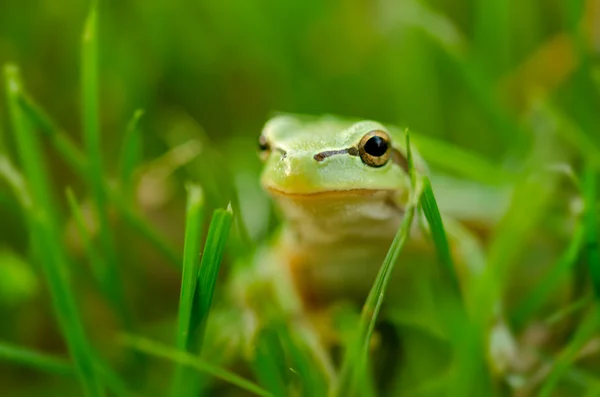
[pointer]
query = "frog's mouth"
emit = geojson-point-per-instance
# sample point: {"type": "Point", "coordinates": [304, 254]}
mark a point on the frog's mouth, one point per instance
{"type": "Point", "coordinates": [330, 193]}
{"type": "Point", "coordinates": [349, 196]}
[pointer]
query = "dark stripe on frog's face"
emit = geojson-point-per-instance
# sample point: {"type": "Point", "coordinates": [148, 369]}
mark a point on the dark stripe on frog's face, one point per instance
{"type": "Point", "coordinates": [352, 151]}
{"type": "Point", "coordinates": [397, 157]}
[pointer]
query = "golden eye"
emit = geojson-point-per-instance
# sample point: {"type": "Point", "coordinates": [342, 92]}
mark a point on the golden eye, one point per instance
{"type": "Point", "coordinates": [374, 148]}
{"type": "Point", "coordinates": [263, 147]}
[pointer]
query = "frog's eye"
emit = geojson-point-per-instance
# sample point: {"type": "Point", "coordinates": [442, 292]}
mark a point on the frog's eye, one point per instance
{"type": "Point", "coordinates": [263, 147]}
{"type": "Point", "coordinates": [374, 148]}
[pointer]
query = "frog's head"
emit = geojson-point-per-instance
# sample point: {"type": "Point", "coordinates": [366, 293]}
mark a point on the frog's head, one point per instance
{"type": "Point", "coordinates": [307, 155]}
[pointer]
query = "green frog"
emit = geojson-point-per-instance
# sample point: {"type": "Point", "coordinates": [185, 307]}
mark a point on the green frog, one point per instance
{"type": "Point", "coordinates": [342, 188]}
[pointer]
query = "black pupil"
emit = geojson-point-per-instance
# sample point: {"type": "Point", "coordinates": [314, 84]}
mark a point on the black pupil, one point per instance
{"type": "Point", "coordinates": [376, 146]}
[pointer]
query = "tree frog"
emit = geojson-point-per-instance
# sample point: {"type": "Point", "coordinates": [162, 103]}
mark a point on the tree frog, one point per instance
{"type": "Point", "coordinates": [342, 188]}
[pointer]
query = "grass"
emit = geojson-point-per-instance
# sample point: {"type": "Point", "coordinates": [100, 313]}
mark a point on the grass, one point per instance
{"type": "Point", "coordinates": [204, 348]}
{"type": "Point", "coordinates": [355, 358]}
{"type": "Point", "coordinates": [43, 223]}
{"type": "Point", "coordinates": [35, 360]}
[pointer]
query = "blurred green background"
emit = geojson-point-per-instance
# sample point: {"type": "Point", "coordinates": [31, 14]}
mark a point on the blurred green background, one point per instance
{"type": "Point", "coordinates": [469, 72]}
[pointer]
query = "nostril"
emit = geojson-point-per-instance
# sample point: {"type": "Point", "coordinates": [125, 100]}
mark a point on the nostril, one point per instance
{"type": "Point", "coordinates": [283, 153]}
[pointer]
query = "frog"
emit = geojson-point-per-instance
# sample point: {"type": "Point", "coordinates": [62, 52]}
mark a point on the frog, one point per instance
{"type": "Point", "coordinates": [342, 187]}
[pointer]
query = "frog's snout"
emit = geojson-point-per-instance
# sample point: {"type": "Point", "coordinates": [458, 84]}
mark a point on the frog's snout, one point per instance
{"type": "Point", "coordinates": [293, 171]}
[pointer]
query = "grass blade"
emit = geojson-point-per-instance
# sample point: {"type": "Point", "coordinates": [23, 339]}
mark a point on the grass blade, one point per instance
{"type": "Point", "coordinates": [189, 277]}
{"type": "Point", "coordinates": [78, 162]}
{"type": "Point", "coordinates": [61, 141]}
{"type": "Point", "coordinates": [591, 228]}
{"type": "Point", "coordinates": [110, 281]}
{"type": "Point", "coordinates": [32, 359]}
{"type": "Point", "coordinates": [15, 181]}
{"type": "Point", "coordinates": [355, 357]}
{"type": "Point", "coordinates": [267, 362]}
{"type": "Point", "coordinates": [47, 247]}
{"type": "Point", "coordinates": [156, 349]}
{"type": "Point", "coordinates": [97, 264]}
{"type": "Point", "coordinates": [586, 330]}
{"type": "Point", "coordinates": [199, 307]}
{"type": "Point", "coordinates": [438, 234]}
{"type": "Point", "coordinates": [218, 233]}
{"type": "Point", "coordinates": [545, 287]}
{"type": "Point", "coordinates": [449, 157]}
{"type": "Point", "coordinates": [131, 155]}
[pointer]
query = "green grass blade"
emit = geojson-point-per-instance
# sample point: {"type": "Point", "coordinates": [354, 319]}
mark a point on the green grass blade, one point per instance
{"type": "Point", "coordinates": [189, 277]}
{"type": "Point", "coordinates": [156, 349]}
{"type": "Point", "coordinates": [355, 357]}
{"type": "Point", "coordinates": [131, 155]}
{"type": "Point", "coordinates": [438, 234]}
{"type": "Point", "coordinates": [446, 156]}
{"type": "Point", "coordinates": [94, 175]}
{"type": "Point", "coordinates": [218, 233]}
{"type": "Point", "coordinates": [68, 150]}
{"type": "Point", "coordinates": [198, 308]}
{"type": "Point", "coordinates": [47, 247]}
{"type": "Point", "coordinates": [586, 330]}
{"type": "Point", "coordinates": [267, 362]}
{"type": "Point", "coordinates": [591, 228]}
{"type": "Point", "coordinates": [305, 356]}
{"type": "Point", "coordinates": [15, 181]}
{"type": "Point", "coordinates": [54, 365]}
{"type": "Point", "coordinates": [544, 287]}
{"type": "Point", "coordinates": [32, 359]}
{"type": "Point", "coordinates": [78, 162]}
{"type": "Point", "coordinates": [97, 264]}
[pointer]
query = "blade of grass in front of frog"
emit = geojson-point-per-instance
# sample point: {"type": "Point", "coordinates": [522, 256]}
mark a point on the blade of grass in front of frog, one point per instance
{"type": "Point", "coordinates": [268, 362]}
{"type": "Point", "coordinates": [355, 356]}
{"type": "Point", "coordinates": [111, 280]}
{"type": "Point", "coordinates": [35, 360]}
{"type": "Point", "coordinates": [131, 155]}
{"type": "Point", "coordinates": [46, 245]}
{"type": "Point", "coordinates": [450, 306]}
{"type": "Point", "coordinates": [549, 283]}
{"type": "Point", "coordinates": [78, 162]}
{"type": "Point", "coordinates": [438, 234]}
{"type": "Point", "coordinates": [194, 220]}
{"type": "Point", "coordinates": [159, 350]}
{"type": "Point", "coordinates": [306, 357]}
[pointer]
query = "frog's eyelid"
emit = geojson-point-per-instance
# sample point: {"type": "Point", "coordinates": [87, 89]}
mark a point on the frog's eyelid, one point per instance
{"type": "Point", "coordinates": [328, 153]}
